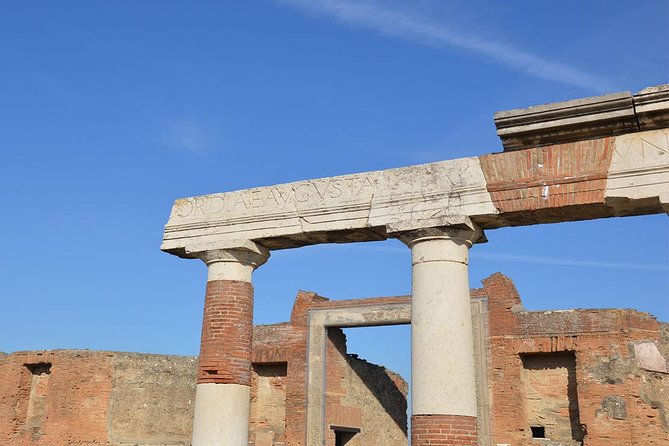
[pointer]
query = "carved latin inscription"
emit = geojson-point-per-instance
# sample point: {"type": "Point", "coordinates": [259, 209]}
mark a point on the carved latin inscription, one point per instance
{"type": "Point", "coordinates": [346, 204]}
{"type": "Point", "coordinates": [315, 193]}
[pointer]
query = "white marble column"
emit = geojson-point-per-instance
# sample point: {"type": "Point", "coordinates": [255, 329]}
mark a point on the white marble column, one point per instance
{"type": "Point", "coordinates": [443, 373]}
{"type": "Point", "coordinates": [222, 397]}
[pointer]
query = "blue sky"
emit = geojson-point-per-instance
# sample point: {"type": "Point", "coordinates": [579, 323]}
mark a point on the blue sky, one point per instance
{"type": "Point", "coordinates": [111, 110]}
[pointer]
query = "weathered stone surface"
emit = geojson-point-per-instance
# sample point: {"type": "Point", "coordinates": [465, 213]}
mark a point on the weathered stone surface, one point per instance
{"type": "Point", "coordinates": [655, 394]}
{"type": "Point", "coordinates": [586, 118]}
{"type": "Point", "coordinates": [560, 122]}
{"type": "Point", "coordinates": [649, 357]}
{"type": "Point", "coordinates": [337, 209]}
{"type": "Point", "coordinates": [602, 343]}
{"type": "Point", "coordinates": [613, 368]}
{"type": "Point", "coordinates": [639, 172]}
{"type": "Point", "coordinates": [551, 395]}
{"type": "Point", "coordinates": [614, 406]}
{"type": "Point", "coordinates": [145, 388]}
{"type": "Point", "coordinates": [377, 398]}
{"type": "Point", "coordinates": [652, 107]}
{"type": "Point", "coordinates": [268, 403]}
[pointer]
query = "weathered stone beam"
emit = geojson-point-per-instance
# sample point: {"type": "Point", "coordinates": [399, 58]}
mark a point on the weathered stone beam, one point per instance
{"type": "Point", "coordinates": [652, 107]}
{"type": "Point", "coordinates": [581, 119]}
{"type": "Point", "coordinates": [611, 176]}
{"type": "Point", "coordinates": [338, 209]}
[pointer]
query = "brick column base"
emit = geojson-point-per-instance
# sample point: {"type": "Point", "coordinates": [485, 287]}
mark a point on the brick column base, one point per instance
{"type": "Point", "coordinates": [443, 430]}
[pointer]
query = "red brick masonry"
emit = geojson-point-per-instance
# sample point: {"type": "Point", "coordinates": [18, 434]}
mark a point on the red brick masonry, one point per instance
{"type": "Point", "coordinates": [443, 430]}
{"type": "Point", "coordinates": [227, 333]}
{"type": "Point", "coordinates": [549, 184]}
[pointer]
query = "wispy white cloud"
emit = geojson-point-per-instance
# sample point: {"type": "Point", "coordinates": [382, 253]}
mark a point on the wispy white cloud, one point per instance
{"type": "Point", "coordinates": [185, 135]}
{"type": "Point", "coordinates": [516, 258]}
{"type": "Point", "coordinates": [417, 27]}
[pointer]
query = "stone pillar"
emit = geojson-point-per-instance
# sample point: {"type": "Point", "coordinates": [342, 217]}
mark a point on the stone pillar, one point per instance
{"type": "Point", "coordinates": [222, 397]}
{"type": "Point", "coordinates": [443, 389]}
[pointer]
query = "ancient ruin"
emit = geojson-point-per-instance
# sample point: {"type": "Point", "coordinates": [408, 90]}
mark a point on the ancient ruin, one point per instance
{"type": "Point", "coordinates": [592, 377]}
{"type": "Point", "coordinates": [582, 377]}
{"type": "Point", "coordinates": [596, 157]}
{"type": "Point", "coordinates": [116, 398]}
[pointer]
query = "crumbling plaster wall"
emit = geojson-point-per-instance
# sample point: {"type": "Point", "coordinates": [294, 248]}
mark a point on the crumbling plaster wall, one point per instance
{"type": "Point", "coordinates": [152, 399]}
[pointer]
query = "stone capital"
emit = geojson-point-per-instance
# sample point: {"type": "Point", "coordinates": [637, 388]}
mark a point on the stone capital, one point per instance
{"type": "Point", "coordinates": [234, 263]}
{"type": "Point", "coordinates": [465, 232]}
{"type": "Point", "coordinates": [236, 255]}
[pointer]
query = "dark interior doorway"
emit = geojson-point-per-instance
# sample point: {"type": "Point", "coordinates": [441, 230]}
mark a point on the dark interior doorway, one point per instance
{"type": "Point", "coordinates": [344, 435]}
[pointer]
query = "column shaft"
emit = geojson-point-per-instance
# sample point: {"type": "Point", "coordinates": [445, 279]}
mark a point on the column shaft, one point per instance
{"type": "Point", "coordinates": [443, 372]}
{"type": "Point", "coordinates": [227, 333]}
{"type": "Point", "coordinates": [222, 396]}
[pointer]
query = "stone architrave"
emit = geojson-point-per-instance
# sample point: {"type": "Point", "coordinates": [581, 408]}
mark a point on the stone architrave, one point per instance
{"type": "Point", "coordinates": [338, 209]}
{"type": "Point", "coordinates": [623, 175]}
{"type": "Point", "coordinates": [639, 169]}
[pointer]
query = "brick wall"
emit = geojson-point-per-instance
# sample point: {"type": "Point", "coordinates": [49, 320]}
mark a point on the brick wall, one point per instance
{"type": "Point", "coordinates": [602, 396]}
{"type": "Point", "coordinates": [560, 182]}
{"type": "Point", "coordinates": [75, 392]}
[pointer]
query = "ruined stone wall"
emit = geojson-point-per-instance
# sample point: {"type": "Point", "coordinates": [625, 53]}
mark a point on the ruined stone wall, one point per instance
{"type": "Point", "coordinates": [268, 404]}
{"type": "Point", "coordinates": [85, 398]}
{"type": "Point", "coordinates": [70, 397]}
{"type": "Point", "coordinates": [575, 377]}
{"type": "Point", "coordinates": [591, 377]}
